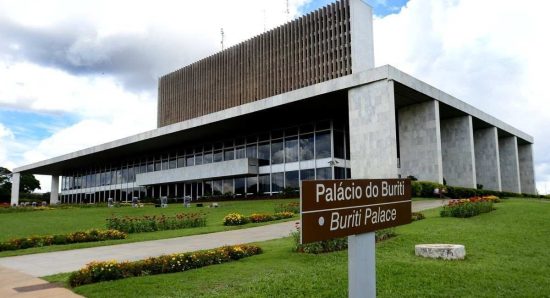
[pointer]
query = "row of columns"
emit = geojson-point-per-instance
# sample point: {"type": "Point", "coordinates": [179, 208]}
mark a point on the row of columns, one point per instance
{"type": "Point", "coordinates": [16, 181]}
{"type": "Point", "coordinates": [433, 149]}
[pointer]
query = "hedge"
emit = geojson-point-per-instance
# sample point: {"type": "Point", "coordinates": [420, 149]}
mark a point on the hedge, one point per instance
{"type": "Point", "coordinates": [426, 189]}
{"type": "Point", "coordinates": [76, 237]}
{"type": "Point", "coordinates": [156, 223]}
{"type": "Point", "coordinates": [237, 219]}
{"type": "Point", "coordinates": [112, 270]}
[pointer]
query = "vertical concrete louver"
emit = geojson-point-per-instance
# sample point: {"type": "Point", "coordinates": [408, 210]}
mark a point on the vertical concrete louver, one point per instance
{"type": "Point", "coordinates": [309, 50]}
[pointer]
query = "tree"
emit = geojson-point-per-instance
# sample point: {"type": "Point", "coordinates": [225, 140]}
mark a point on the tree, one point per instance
{"type": "Point", "coordinates": [27, 184]}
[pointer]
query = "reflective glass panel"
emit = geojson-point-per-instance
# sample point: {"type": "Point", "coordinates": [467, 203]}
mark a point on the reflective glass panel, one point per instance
{"type": "Point", "coordinates": [324, 173]}
{"type": "Point", "coordinates": [239, 186]}
{"type": "Point", "coordinates": [291, 180]}
{"type": "Point", "coordinates": [263, 154]}
{"type": "Point", "coordinates": [291, 149]}
{"type": "Point", "coordinates": [308, 174]}
{"type": "Point", "coordinates": [322, 144]}
{"type": "Point", "coordinates": [277, 151]}
{"type": "Point", "coordinates": [277, 182]}
{"type": "Point", "coordinates": [252, 184]}
{"type": "Point", "coordinates": [306, 147]}
{"type": "Point", "coordinates": [264, 184]}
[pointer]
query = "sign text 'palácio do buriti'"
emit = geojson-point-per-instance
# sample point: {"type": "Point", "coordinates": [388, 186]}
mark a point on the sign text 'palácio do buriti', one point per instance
{"type": "Point", "coordinates": [337, 208]}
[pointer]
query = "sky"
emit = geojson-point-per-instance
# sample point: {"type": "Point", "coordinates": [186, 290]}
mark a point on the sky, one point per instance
{"type": "Point", "coordinates": [75, 74]}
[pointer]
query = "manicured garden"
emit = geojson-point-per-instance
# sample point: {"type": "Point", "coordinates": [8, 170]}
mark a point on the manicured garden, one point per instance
{"type": "Point", "coordinates": [69, 220]}
{"type": "Point", "coordinates": [507, 256]}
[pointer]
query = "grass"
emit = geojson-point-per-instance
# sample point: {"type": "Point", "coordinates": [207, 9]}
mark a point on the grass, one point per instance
{"type": "Point", "coordinates": [61, 221]}
{"type": "Point", "coordinates": [507, 255]}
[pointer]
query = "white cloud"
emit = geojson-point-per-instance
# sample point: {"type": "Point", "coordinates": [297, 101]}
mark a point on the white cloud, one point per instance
{"type": "Point", "coordinates": [491, 54]}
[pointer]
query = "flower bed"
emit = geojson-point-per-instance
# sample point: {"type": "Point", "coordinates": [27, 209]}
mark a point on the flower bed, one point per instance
{"type": "Point", "coordinates": [156, 223]}
{"type": "Point", "coordinates": [236, 219]}
{"type": "Point", "coordinates": [417, 216]}
{"type": "Point", "coordinates": [112, 270]}
{"type": "Point", "coordinates": [469, 207]}
{"type": "Point", "coordinates": [23, 209]}
{"type": "Point", "coordinates": [76, 237]}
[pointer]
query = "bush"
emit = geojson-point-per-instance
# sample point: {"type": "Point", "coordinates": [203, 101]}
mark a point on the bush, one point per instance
{"type": "Point", "coordinates": [112, 270]}
{"type": "Point", "coordinates": [336, 244]}
{"type": "Point", "coordinates": [257, 217]}
{"type": "Point", "coordinates": [156, 223]}
{"type": "Point", "coordinates": [467, 207]}
{"type": "Point", "coordinates": [293, 207]}
{"type": "Point", "coordinates": [76, 237]}
{"type": "Point", "coordinates": [417, 216]}
{"type": "Point", "coordinates": [426, 189]}
{"type": "Point", "coordinates": [234, 219]}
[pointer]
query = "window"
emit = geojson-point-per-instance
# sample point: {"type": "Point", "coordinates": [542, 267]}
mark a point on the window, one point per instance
{"type": "Point", "coordinates": [339, 149]}
{"type": "Point", "coordinates": [190, 160]}
{"type": "Point", "coordinates": [322, 144]}
{"type": "Point", "coordinates": [291, 149]}
{"type": "Point", "coordinates": [240, 153]}
{"type": "Point", "coordinates": [208, 157]}
{"type": "Point", "coordinates": [308, 174]}
{"type": "Point", "coordinates": [217, 187]}
{"type": "Point", "coordinates": [218, 156]}
{"type": "Point", "coordinates": [198, 159]}
{"type": "Point", "coordinates": [291, 180]}
{"type": "Point", "coordinates": [228, 186]}
{"type": "Point", "coordinates": [277, 182]}
{"type": "Point", "coordinates": [157, 165]}
{"type": "Point", "coordinates": [165, 164]}
{"type": "Point", "coordinates": [207, 188]}
{"type": "Point", "coordinates": [252, 185]}
{"type": "Point", "coordinates": [239, 186]}
{"type": "Point", "coordinates": [172, 163]}
{"type": "Point", "coordinates": [324, 173]}
{"type": "Point", "coordinates": [277, 151]}
{"type": "Point", "coordinates": [181, 162]}
{"type": "Point", "coordinates": [306, 147]}
{"type": "Point", "coordinates": [229, 154]}
{"type": "Point", "coordinates": [252, 151]}
{"type": "Point", "coordinates": [263, 182]}
{"type": "Point", "coordinates": [263, 154]}
{"type": "Point", "coordinates": [339, 173]}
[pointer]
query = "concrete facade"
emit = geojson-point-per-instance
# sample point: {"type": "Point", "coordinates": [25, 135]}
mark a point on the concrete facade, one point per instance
{"type": "Point", "coordinates": [242, 166]}
{"type": "Point", "coordinates": [15, 180]}
{"type": "Point", "coordinates": [457, 149]}
{"type": "Point", "coordinates": [509, 164]}
{"type": "Point", "coordinates": [54, 195]}
{"type": "Point", "coordinates": [420, 141]}
{"type": "Point", "coordinates": [373, 146]}
{"type": "Point", "coordinates": [526, 168]}
{"type": "Point", "coordinates": [487, 158]}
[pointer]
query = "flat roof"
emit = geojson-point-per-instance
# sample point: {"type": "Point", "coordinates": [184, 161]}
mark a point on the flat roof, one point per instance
{"type": "Point", "coordinates": [151, 139]}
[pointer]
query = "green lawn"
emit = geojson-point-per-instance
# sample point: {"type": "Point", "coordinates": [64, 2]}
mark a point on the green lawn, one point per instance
{"type": "Point", "coordinates": [508, 255]}
{"type": "Point", "coordinates": [60, 221]}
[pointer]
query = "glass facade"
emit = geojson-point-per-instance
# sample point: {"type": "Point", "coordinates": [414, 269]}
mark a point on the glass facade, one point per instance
{"type": "Point", "coordinates": [285, 156]}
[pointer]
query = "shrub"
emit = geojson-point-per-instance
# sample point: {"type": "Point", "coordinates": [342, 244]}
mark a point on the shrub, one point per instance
{"type": "Point", "coordinates": [234, 219]}
{"type": "Point", "coordinates": [467, 207]}
{"type": "Point", "coordinates": [417, 216]}
{"type": "Point", "coordinates": [293, 207]}
{"type": "Point", "coordinates": [336, 244]}
{"type": "Point", "coordinates": [283, 215]}
{"type": "Point", "coordinates": [156, 223]}
{"type": "Point", "coordinates": [76, 237]}
{"type": "Point", "coordinates": [112, 270]}
{"type": "Point", "coordinates": [257, 217]}
{"type": "Point", "coordinates": [426, 189]}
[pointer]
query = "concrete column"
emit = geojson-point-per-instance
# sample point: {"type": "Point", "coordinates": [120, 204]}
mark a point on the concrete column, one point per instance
{"type": "Point", "coordinates": [420, 141]}
{"type": "Point", "coordinates": [373, 149]}
{"type": "Point", "coordinates": [487, 158]}
{"type": "Point", "coordinates": [509, 164]}
{"type": "Point", "coordinates": [15, 180]}
{"type": "Point", "coordinates": [457, 149]}
{"type": "Point", "coordinates": [54, 194]}
{"type": "Point", "coordinates": [526, 169]}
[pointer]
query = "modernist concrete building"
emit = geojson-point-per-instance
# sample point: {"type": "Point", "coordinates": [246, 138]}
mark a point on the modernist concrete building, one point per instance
{"type": "Point", "coordinates": [302, 101]}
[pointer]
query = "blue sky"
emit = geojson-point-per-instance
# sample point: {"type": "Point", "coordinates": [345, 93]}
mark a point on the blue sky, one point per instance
{"type": "Point", "coordinates": [381, 7]}
{"type": "Point", "coordinates": [75, 74]}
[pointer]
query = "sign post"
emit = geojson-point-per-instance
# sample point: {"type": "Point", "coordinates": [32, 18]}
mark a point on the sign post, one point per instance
{"type": "Point", "coordinates": [356, 208]}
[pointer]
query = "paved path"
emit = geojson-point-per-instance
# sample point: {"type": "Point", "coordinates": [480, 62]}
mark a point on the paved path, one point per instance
{"type": "Point", "coordinates": [65, 261]}
{"type": "Point", "coordinates": [21, 285]}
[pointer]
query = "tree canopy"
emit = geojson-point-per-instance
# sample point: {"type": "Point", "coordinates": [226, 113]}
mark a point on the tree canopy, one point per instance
{"type": "Point", "coordinates": [27, 184]}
